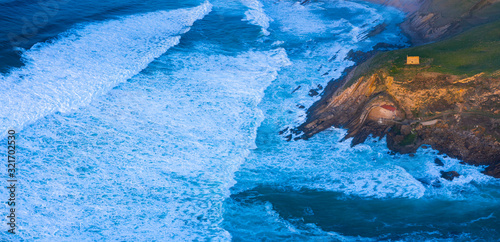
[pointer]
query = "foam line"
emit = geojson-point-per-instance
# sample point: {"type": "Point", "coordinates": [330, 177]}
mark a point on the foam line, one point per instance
{"type": "Point", "coordinates": [192, 128]}
{"type": "Point", "coordinates": [256, 15]}
{"type": "Point", "coordinates": [68, 72]}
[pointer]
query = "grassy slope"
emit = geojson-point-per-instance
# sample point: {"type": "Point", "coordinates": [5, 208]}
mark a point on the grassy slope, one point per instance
{"type": "Point", "coordinates": [474, 51]}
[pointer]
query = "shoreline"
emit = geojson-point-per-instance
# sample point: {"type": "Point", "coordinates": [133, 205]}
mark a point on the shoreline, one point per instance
{"type": "Point", "coordinates": [408, 7]}
{"type": "Point", "coordinates": [357, 108]}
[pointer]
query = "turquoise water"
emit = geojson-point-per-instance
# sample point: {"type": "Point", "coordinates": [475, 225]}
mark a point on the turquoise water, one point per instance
{"type": "Point", "coordinates": [160, 120]}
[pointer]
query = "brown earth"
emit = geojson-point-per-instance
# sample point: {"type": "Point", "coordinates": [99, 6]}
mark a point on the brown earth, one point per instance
{"type": "Point", "coordinates": [457, 115]}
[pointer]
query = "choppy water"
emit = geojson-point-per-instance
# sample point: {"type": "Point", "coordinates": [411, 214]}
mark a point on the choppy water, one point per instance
{"type": "Point", "coordinates": [159, 121]}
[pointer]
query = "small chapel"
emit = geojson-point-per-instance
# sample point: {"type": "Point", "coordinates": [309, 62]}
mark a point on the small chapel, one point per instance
{"type": "Point", "coordinates": [412, 60]}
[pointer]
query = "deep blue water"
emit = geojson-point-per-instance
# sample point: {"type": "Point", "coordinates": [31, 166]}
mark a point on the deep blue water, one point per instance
{"type": "Point", "coordinates": [159, 121]}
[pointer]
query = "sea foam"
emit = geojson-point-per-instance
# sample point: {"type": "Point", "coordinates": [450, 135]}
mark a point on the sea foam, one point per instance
{"type": "Point", "coordinates": [68, 72]}
{"type": "Point", "coordinates": [256, 15]}
{"type": "Point", "coordinates": [154, 158]}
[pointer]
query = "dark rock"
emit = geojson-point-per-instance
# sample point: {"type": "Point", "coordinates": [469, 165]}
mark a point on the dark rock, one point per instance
{"type": "Point", "coordinates": [301, 106]}
{"type": "Point", "coordinates": [313, 92]}
{"type": "Point", "coordinates": [384, 47]}
{"type": "Point", "coordinates": [283, 131]}
{"type": "Point", "coordinates": [427, 182]}
{"type": "Point", "coordinates": [359, 56]}
{"type": "Point", "coordinates": [493, 170]}
{"type": "Point", "coordinates": [438, 162]}
{"type": "Point", "coordinates": [449, 175]}
{"type": "Point", "coordinates": [376, 30]}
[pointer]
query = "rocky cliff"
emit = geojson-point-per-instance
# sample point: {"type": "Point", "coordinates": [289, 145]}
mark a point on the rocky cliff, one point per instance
{"type": "Point", "coordinates": [451, 101]}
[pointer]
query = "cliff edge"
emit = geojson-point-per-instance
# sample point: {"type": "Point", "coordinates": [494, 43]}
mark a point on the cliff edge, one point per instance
{"type": "Point", "coordinates": [450, 101]}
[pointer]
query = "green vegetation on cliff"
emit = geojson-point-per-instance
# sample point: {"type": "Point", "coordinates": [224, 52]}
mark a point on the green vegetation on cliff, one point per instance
{"type": "Point", "coordinates": [449, 101]}
{"type": "Point", "coordinates": [474, 51]}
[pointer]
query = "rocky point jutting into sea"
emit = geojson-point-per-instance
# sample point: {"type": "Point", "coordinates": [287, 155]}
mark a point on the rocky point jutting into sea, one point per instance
{"type": "Point", "coordinates": [450, 101]}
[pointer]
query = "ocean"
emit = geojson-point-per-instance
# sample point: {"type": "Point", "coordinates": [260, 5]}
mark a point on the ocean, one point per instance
{"type": "Point", "coordinates": [160, 121]}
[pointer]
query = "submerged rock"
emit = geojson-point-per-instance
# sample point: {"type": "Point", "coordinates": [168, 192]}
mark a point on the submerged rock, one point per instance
{"type": "Point", "coordinates": [449, 175]}
{"type": "Point", "coordinates": [438, 162]}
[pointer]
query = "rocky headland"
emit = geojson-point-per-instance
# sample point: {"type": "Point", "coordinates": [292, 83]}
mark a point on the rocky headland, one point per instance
{"type": "Point", "coordinates": [450, 101]}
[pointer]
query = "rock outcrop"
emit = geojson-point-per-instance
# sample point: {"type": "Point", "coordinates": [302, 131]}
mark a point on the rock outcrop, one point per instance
{"type": "Point", "coordinates": [457, 115]}
{"type": "Point", "coordinates": [450, 101]}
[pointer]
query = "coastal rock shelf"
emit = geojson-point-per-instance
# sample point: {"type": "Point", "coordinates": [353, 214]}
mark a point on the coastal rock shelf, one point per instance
{"type": "Point", "coordinates": [450, 100]}
{"type": "Point", "coordinates": [459, 117]}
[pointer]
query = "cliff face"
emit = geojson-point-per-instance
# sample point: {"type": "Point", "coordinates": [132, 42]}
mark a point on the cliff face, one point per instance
{"type": "Point", "coordinates": [451, 101]}
{"type": "Point", "coordinates": [432, 20]}
{"type": "Point", "coordinates": [454, 114]}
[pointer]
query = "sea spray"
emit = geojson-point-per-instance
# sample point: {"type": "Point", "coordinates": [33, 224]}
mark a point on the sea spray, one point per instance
{"type": "Point", "coordinates": [157, 153]}
{"type": "Point", "coordinates": [68, 72]}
